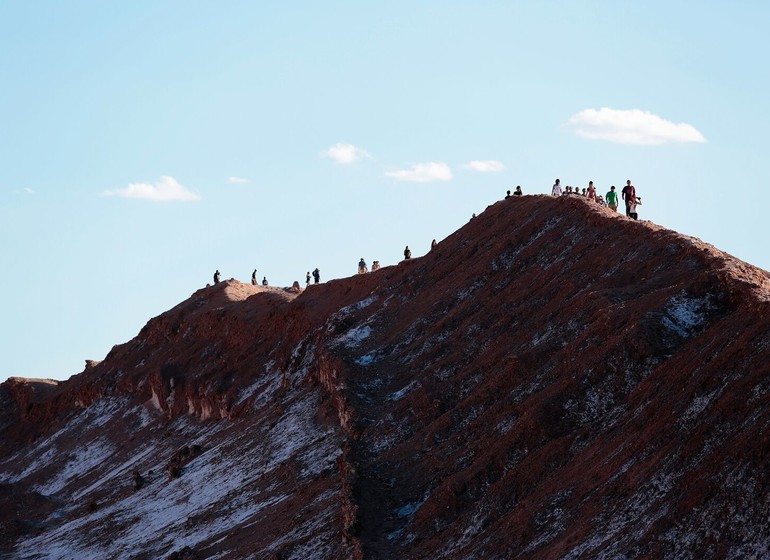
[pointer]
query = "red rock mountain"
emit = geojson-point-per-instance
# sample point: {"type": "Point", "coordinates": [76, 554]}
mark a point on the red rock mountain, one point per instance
{"type": "Point", "coordinates": [553, 380]}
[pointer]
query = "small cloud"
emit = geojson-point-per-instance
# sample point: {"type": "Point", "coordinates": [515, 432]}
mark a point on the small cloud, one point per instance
{"type": "Point", "coordinates": [485, 166]}
{"type": "Point", "coordinates": [423, 173]}
{"type": "Point", "coordinates": [237, 180]}
{"type": "Point", "coordinates": [345, 154]}
{"type": "Point", "coordinates": [28, 190]}
{"type": "Point", "coordinates": [167, 188]}
{"type": "Point", "coordinates": [632, 126]}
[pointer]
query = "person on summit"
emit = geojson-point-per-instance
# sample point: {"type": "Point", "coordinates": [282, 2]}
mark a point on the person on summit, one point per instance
{"type": "Point", "coordinates": [518, 192]}
{"type": "Point", "coordinates": [408, 252]}
{"type": "Point", "coordinates": [264, 280]}
{"type": "Point", "coordinates": [362, 268]}
{"type": "Point", "coordinates": [433, 244]}
{"type": "Point", "coordinates": [591, 194]}
{"type": "Point", "coordinates": [375, 266]}
{"type": "Point", "coordinates": [317, 276]}
{"type": "Point", "coordinates": [556, 190]}
{"type": "Point", "coordinates": [307, 279]}
{"type": "Point", "coordinates": [629, 195]}
{"type": "Point", "coordinates": [217, 276]}
{"type": "Point", "coordinates": [507, 195]}
{"type": "Point", "coordinates": [612, 199]}
{"type": "Point", "coordinates": [254, 277]}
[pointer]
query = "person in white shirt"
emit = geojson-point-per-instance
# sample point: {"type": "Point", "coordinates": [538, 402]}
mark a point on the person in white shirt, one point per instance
{"type": "Point", "coordinates": [556, 190]}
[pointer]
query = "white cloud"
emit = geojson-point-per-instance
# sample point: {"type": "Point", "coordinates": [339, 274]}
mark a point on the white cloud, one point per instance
{"type": "Point", "coordinates": [237, 180]}
{"type": "Point", "coordinates": [485, 166]}
{"type": "Point", "coordinates": [423, 173]}
{"type": "Point", "coordinates": [28, 190]}
{"type": "Point", "coordinates": [632, 126]}
{"type": "Point", "coordinates": [345, 154]}
{"type": "Point", "coordinates": [167, 188]}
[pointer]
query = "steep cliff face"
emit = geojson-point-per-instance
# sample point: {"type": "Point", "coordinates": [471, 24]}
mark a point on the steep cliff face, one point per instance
{"type": "Point", "coordinates": [552, 381]}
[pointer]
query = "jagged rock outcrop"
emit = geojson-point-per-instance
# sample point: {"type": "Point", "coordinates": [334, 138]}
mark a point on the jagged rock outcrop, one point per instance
{"type": "Point", "coordinates": [552, 381]}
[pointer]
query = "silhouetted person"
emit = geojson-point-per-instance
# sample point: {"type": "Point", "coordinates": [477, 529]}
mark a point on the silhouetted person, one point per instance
{"type": "Point", "coordinates": [264, 280]}
{"type": "Point", "coordinates": [254, 277]}
{"type": "Point", "coordinates": [629, 195]}
{"type": "Point", "coordinates": [434, 243]}
{"type": "Point", "coordinates": [362, 269]}
{"type": "Point", "coordinates": [507, 195]}
{"type": "Point", "coordinates": [407, 253]}
{"type": "Point", "coordinates": [217, 276]}
{"type": "Point", "coordinates": [375, 266]}
{"type": "Point", "coordinates": [307, 279]}
{"type": "Point", "coordinates": [518, 192]}
{"type": "Point", "coordinates": [316, 276]}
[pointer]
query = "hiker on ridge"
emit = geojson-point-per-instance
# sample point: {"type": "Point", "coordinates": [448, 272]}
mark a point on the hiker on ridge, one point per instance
{"type": "Point", "coordinates": [307, 279]}
{"type": "Point", "coordinates": [362, 268]}
{"type": "Point", "coordinates": [556, 190]}
{"type": "Point", "coordinates": [264, 280]}
{"type": "Point", "coordinates": [217, 276]}
{"type": "Point", "coordinates": [629, 195]}
{"type": "Point", "coordinates": [612, 199]}
{"type": "Point", "coordinates": [507, 195]}
{"type": "Point", "coordinates": [433, 244]}
{"type": "Point", "coordinates": [317, 276]}
{"type": "Point", "coordinates": [518, 192]}
{"type": "Point", "coordinates": [408, 252]}
{"type": "Point", "coordinates": [254, 277]}
{"type": "Point", "coordinates": [375, 266]}
{"type": "Point", "coordinates": [591, 191]}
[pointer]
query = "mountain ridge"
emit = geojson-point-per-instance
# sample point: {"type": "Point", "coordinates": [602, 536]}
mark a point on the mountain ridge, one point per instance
{"type": "Point", "coordinates": [551, 379]}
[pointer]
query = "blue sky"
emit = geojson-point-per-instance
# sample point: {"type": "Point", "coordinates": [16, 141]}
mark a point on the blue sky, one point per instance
{"type": "Point", "coordinates": [146, 144]}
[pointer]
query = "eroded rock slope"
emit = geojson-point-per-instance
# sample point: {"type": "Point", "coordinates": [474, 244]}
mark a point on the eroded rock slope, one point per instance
{"type": "Point", "coordinates": [552, 381]}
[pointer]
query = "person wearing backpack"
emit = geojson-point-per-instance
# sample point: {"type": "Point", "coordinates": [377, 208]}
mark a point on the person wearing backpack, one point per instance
{"type": "Point", "coordinates": [408, 252]}
{"type": "Point", "coordinates": [629, 195]}
{"type": "Point", "coordinates": [362, 268]}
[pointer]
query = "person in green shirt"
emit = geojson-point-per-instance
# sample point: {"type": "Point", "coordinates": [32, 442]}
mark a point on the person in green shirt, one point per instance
{"type": "Point", "coordinates": [612, 199]}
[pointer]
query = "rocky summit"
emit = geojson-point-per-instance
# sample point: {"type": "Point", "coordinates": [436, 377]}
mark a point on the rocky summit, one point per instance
{"type": "Point", "coordinates": [553, 380]}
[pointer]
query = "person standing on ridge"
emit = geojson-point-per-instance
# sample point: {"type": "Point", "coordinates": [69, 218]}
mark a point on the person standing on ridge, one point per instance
{"type": "Point", "coordinates": [612, 199]}
{"type": "Point", "coordinates": [254, 277]}
{"type": "Point", "coordinates": [362, 269]}
{"type": "Point", "coordinates": [629, 195]}
{"type": "Point", "coordinates": [408, 252]}
{"type": "Point", "coordinates": [307, 279]}
{"type": "Point", "coordinates": [591, 191]}
{"type": "Point", "coordinates": [518, 192]}
{"type": "Point", "coordinates": [433, 244]}
{"type": "Point", "coordinates": [317, 276]}
{"type": "Point", "coordinates": [375, 266]}
{"type": "Point", "coordinates": [556, 190]}
{"type": "Point", "coordinates": [217, 276]}
{"type": "Point", "coordinates": [264, 280]}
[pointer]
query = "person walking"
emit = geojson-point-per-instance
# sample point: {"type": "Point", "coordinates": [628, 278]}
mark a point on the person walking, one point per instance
{"type": "Point", "coordinates": [629, 195]}
{"type": "Point", "coordinates": [612, 199]}
{"type": "Point", "coordinates": [408, 252]}
{"type": "Point", "coordinates": [556, 189]}
{"type": "Point", "coordinates": [254, 277]}
{"type": "Point", "coordinates": [217, 276]}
